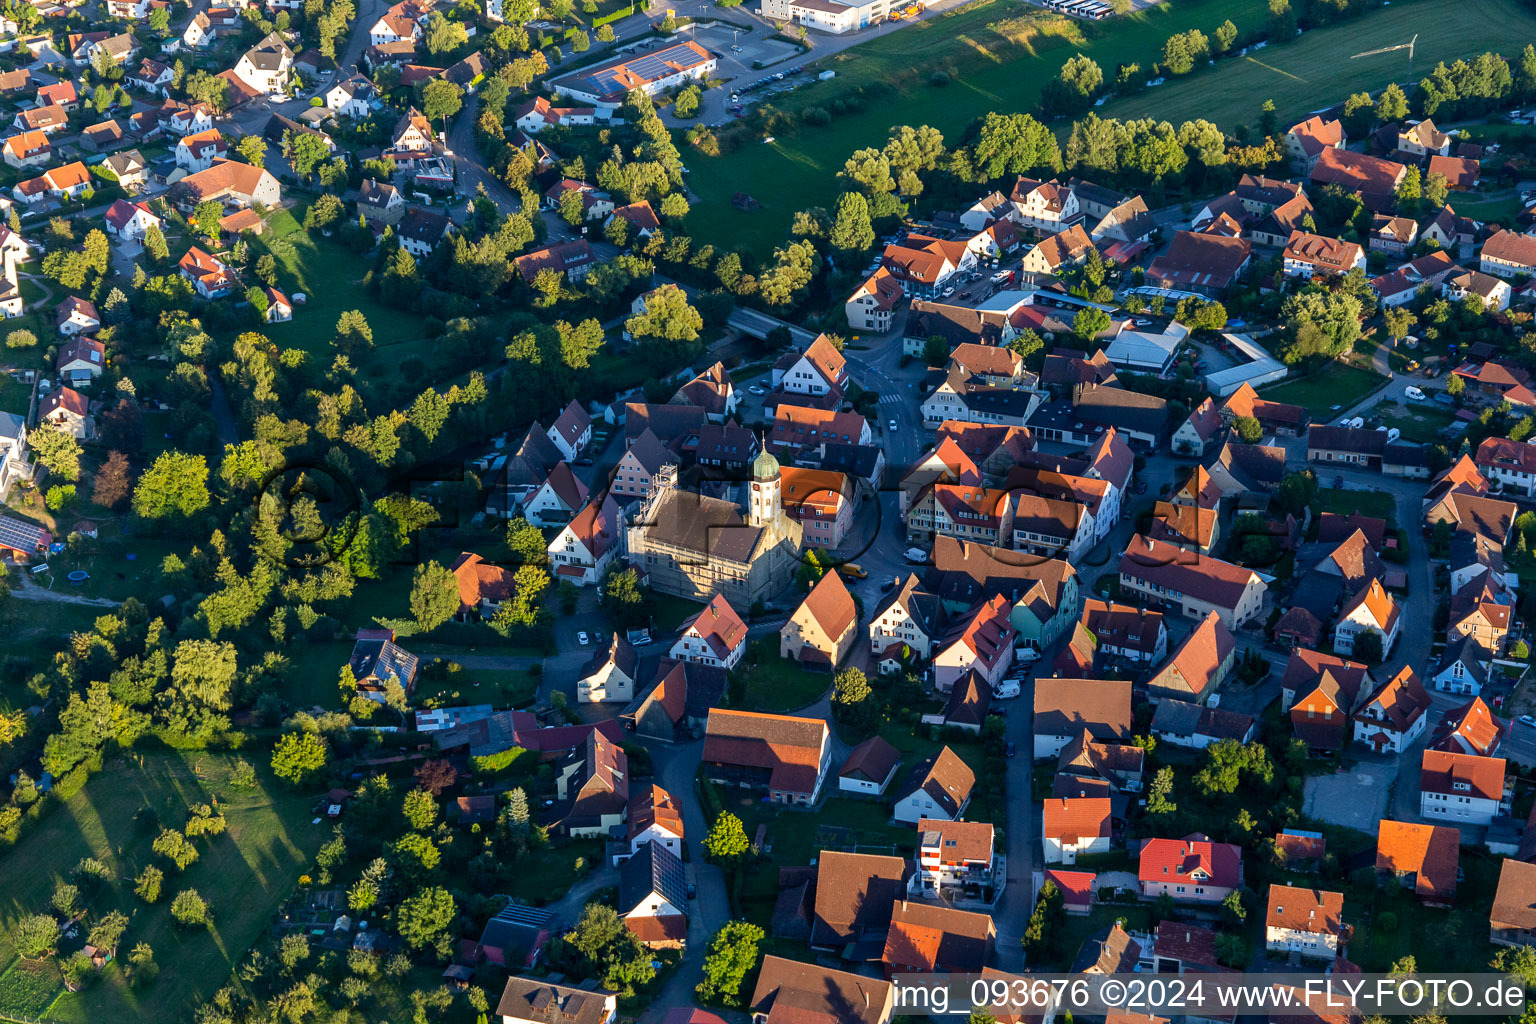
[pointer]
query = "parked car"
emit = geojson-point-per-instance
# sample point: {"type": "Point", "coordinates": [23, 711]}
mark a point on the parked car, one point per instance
{"type": "Point", "coordinates": [1006, 690]}
{"type": "Point", "coordinates": [853, 571]}
{"type": "Point", "coordinates": [1009, 750]}
{"type": "Point", "coordinates": [1416, 394]}
{"type": "Point", "coordinates": [917, 555]}
{"type": "Point", "coordinates": [892, 426]}
{"type": "Point", "coordinates": [582, 638]}
{"type": "Point", "coordinates": [888, 586]}
{"type": "Point", "coordinates": [1444, 398]}
{"type": "Point", "coordinates": [1026, 656]}
{"type": "Point", "coordinates": [1528, 720]}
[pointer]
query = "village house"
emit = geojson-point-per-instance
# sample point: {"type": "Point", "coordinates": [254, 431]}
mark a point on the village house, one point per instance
{"type": "Point", "coordinates": [130, 221]}
{"type": "Point", "coordinates": [937, 788]}
{"type": "Point", "coordinates": [236, 185]}
{"type": "Point", "coordinates": [81, 361]}
{"type": "Point", "coordinates": [554, 501]}
{"type": "Point", "coordinates": [377, 663]}
{"type": "Point", "coordinates": [822, 502]}
{"type": "Point", "coordinates": [1305, 142]}
{"type": "Point", "coordinates": [821, 632]}
{"type": "Point", "coordinates": [870, 768]}
{"type": "Point", "coordinates": [1307, 922]}
{"type": "Point", "coordinates": [1191, 725]}
{"type": "Point", "coordinates": [209, 277]}
{"type": "Point", "coordinates": [1509, 254]}
{"type": "Point", "coordinates": [1395, 715]}
{"type": "Point", "coordinates": [1321, 692]}
{"type": "Point", "coordinates": [1512, 921]}
{"type": "Point", "coordinates": [535, 1001]}
{"type": "Point", "coordinates": [955, 859]}
{"type": "Point", "coordinates": [266, 66]}
{"type": "Point", "coordinates": [1075, 825]}
{"type": "Point", "coordinates": [1307, 255]}
{"type": "Point", "coordinates": [76, 316]}
{"type": "Point", "coordinates": [584, 548]}
{"type": "Point", "coordinates": [788, 990]}
{"type": "Point", "coordinates": [654, 817]}
{"type": "Point", "coordinates": [1371, 610]}
{"type": "Point", "coordinates": [1196, 584]}
{"type": "Point", "coordinates": [1043, 205]}
{"type": "Point", "coordinates": [610, 675]}
{"type": "Point", "coordinates": [27, 149]}
{"type": "Point", "coordinates": [1423, 858]}
{"type": "Point", "coordinates": [1198, 666]}
{"type": "Point", "coordinates": [981, 641]}
{"type": "Point", "coordinates": [1471, 728]}
{"type": "Point", "coordinates": [906, 625]}
{"type": "Point", "coordinates": [1463, 788]}
{"type": "Point", "coordinates": [873, 303]}
{"type": "Point", "coordinates": [1064, 708]}
{"type": "Point", "coordinates": [1191, 870]}
{"type": "Point", "coordinates": [69, 411]}
{"type": "Point", "coordinates": [716, 636]}
{"type": "Point", "coordinates": [591, 789]}
{"type": "Point", "coordinates": [653, 897]}
{"type": "Point", "coordinates": [785, 757]}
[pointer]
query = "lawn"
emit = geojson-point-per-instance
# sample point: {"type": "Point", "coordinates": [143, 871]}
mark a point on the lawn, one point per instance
{"type": "Point", "coordinates": [778, 684]}
{"type": "Point", "coordinates": [1001, 54]}
{"type": "Point", "coordinates": [1452, 940]}
{"type": "Point", "coordinates": [544, 875]}
{"type": "Point", "coordinates": [504, 688]}
{"type": "Point", "coordinates": [244, 874]}
{"type": "Point", "coordinates": [1375, 504]}
{"type": "Point", "coordinates": [1327, 389]}
{"type": "Point", "coordinates": [331, 278]}
{"type": "Point", "coordinates": [1319, 68]}
{"type": "Point", "coordinates": [1420, 421]}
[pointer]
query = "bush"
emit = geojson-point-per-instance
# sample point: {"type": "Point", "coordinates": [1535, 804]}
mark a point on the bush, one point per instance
{"type": "Point", "coordinates": [21, 339]}
{"type": "Point", "coordinates": [816, 116]}
{"type": "Point", "coordinates": [939, 79]}
{"type": "Point", "coordinates": [494, 764]}
{"type": "Point", "coordinates": [1387, 922]}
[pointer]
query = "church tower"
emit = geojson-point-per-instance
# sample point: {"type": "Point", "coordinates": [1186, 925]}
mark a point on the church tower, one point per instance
{"type": "Point", "coordinates": [765, 507]}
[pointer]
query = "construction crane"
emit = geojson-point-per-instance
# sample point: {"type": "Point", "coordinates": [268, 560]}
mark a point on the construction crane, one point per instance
{"type": "Point", "coordinates": [1391, 49]}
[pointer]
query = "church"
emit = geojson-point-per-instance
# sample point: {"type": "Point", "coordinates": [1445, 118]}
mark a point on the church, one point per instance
{"type": "Point", "coordinates": [695, 546]}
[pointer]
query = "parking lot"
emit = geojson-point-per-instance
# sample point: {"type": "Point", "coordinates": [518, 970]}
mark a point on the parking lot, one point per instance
{"type": "Point", "coordinates": [1356, 798]}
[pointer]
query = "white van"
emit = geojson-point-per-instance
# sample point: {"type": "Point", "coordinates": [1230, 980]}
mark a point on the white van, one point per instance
{"type": "Point", "coordinates": [1006, 690]}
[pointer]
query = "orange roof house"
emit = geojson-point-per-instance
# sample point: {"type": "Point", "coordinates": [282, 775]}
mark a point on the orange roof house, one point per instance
{"type": "Point", "coordinates": [1422, 857]}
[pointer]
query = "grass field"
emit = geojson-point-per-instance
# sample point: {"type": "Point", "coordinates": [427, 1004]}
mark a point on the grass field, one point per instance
{"type": "Point", "coordinates": [1001, 56]}
{"type": "Point", "coordinates": [777, 684]}
{"type": "Point", "coordinates": [244, 875]}
{"type": "Point", "coordinates": [1001, 53]}
{"type": "Point", "coordinates": [1318, 70]}
{"type": "Point", "coordinates": [1334, 385]}
{"type": "Point", "coordinates": [331, 278]}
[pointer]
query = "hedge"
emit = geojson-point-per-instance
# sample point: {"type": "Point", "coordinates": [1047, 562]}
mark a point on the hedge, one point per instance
{"type": "Point", "coordinates": [622, 12]}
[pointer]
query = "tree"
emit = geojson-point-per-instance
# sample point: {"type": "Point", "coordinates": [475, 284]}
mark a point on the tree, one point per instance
{"type": "Point", "coordinates": [21, 338]}
{"type": "Point", "coordinates": [421, 918]}
{"type": "Point", "coordinates": [727, 840]}
{"type": "Point", "coordinates": [419, 809]}
{"type": "Point", "coordinates": [1074, 87]}
{"type": "Point", "coordinates": [686, 104]}
{"type": "Point", "coordinates": [1184, 50]}
{"type": "Point", "coordinates": [147, 885]}
{"type": "Point", "coordinates": [305, 151]}
{"type": "Point", "coordinates": [1046, 920]}
{"type": "Point", "coordinates": [1226, 35]}
{"type": "Point", "coordinates": [441, 99]}
{"type": "Point", "coordinates": [731, 956]}
{"type": "Point", "coordinates": [35, 936]}
{"type": "Point", "coordinates": [175, 847]}
{"type": "Point", "coordinates": [142, 966]}
{"type": "Point", "coordinates": [1359, 114]}
{"type": "Point", "coordinates": [190, 909]}
{"type": "Point", "coordinates": [852, 230]}
{"type": "Point", "coordinates": [1399, 321]}
{"type": "Point", "coordinates": [434, 595]}
{"type": "Point", "coordinates": [1160, 792]}
{"type": "Point", "coordinates": [175, 487]}
{"type": "Point", "coordinates": [206, 218]}
{"type": "Point", "coordinates": [609, 950]}
{"type": "Point", "coordinates": [298, 757]}
{"type": "Point", "coordinates": [107, 932]}
{"type": "Point", "coordinates": [850, 687]}
{"type": "Point", "coordinates": [527, 542]}
{"type": "Point", "coordinates": [436, 777]}
{"type": "Point", "coordinates": [57, 450]}
{"type": "Point", "coordinates": [1228, 762]}
{"type": "Point", "coordinates": [155, 245]}
{"type": "Point", "coordinates": [1436, 190]}
{"type": "Point", "coordinates": [1249, 430]}
{"type": "Point", "coordinates": [667, 316]}
{"type": "Point", "coordinates": [1013, 144]}
{"type": "Point", "coordinates": [1089, 323]}
{"type": "Point", "coordinates": [444, 36]}
{"type": "Point", "coordinates": [1367, 647]}
{"type": "Point", "coordinates": [253, 150]}
{"type": "Point", "coordinates": [1455, 386]}
{"type": "Point", "coordinates": [1392, 105]}
{"type": "Point", "coordinates": [1028, 344]}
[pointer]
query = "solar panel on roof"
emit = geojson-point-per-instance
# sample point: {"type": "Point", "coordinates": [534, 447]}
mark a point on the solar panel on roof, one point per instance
{"type": "Point", "coordinates": [21, 536]}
